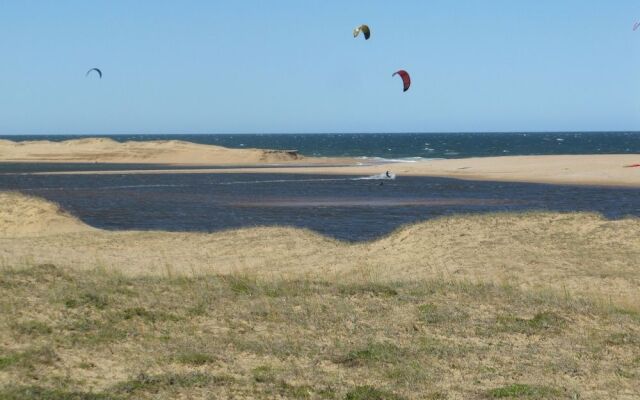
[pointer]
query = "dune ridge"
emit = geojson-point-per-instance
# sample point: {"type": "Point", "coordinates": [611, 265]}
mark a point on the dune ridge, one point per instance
{"type": "Point", "coordinates": [157, 151]}
{"type": "Point", "coordinates": [22, 216]}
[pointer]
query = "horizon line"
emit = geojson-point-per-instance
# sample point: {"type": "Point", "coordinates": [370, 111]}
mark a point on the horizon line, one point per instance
{"type": "Point", "coordinates": [319, 133]}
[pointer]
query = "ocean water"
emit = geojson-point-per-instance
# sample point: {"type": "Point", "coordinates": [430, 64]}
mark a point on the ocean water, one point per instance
{"type": "Point", "coordinates": [351, 208]}
{"type": "Point", "coordinates": [409, 146]}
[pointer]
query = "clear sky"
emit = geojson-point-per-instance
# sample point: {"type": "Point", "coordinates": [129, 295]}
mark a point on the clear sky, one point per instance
{"type": "Point", "coordinates": [293, 66]}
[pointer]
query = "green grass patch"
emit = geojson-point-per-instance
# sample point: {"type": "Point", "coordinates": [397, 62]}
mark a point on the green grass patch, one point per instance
{"type": "Point", "coordinates": [434, 314]}
{"type": "Point", "coordinates": [371, 393]}
{"type": "Point", "coordinates": [86, 365]}
{"type": "Point", "coordinates": [372, 353]}
{"type": "Point", "coordinates": [147, 315]}
{"type": "Point", "coordinates": [195, 358]}
{"type": "Point", "coordinates": [42, 273]}
{"type": "Point", "coordinates": [267, 375]}
{"type": "Point", "coordinates": [543, 322]}
{"type": "Point", "coordinates": [40, 393]}
{"type": "Point", "coordinates": [633, 314]}
{"type": "Point", "coordinates": [7, 360]}
{"type": "Point", "coordinates": [374, 289]}
{"type": "Point", "coordinates": [88, 299]}
{"type": "Point", "coordinates": [623, 338]}
{"type": "Point", "coordinates": [523, 391]}
{"type": "Point", "coordinates": [242, 285]}
{"type": "Point", "coordinates": [295, 391]}
{"type": "Point", "coordinates": [264, 374]}
{"type": "Point", "coordinates": [94, 331]}
{"type": "Point", "coordinates": [441, 349]}
{"type": "Point", "coordinates": [29, 358]}
{"type": "Point", "coordinates": [32, 328]}
{"type": "Point", "coordinates": [158, 383]}
{"type": "Point", "coordinates": [290, 288]}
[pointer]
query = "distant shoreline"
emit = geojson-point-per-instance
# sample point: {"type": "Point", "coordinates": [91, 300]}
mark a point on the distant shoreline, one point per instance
{"type": "Point", "coordinates": [186, 157]}
{"type": "Point", "coordinates": [392, 146]}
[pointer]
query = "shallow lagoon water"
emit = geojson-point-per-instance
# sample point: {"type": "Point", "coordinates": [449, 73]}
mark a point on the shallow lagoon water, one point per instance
{"type": "Point", "coordinates": [348, 208]}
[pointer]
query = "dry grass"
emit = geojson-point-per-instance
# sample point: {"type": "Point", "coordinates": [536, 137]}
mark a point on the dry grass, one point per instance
{"type": "Point", "coordinates": [71, 334]}
{"type": "Point", "coordinates": [519, 306]}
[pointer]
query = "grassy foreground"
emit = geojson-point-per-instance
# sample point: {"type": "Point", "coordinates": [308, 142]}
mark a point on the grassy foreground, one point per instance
{"type": "Point", "coordinates": [97, 334]}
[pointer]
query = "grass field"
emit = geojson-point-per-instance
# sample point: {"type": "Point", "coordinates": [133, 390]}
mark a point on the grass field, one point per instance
{"type": "Point", "coordinates": [94, 334]}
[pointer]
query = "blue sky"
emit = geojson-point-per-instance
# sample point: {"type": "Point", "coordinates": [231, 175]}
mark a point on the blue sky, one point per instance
{"type": "Point", "coordinates": [293, 66]}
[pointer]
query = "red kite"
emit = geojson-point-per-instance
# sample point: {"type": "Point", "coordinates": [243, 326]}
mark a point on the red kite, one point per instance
{"type": "Point", "coordinates": [406, 79]}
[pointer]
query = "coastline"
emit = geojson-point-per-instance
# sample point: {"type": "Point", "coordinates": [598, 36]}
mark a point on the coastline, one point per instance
{"type": "Point", "coordinates": [588, 169]}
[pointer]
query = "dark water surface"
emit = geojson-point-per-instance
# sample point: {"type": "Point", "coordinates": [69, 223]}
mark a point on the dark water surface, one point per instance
{"type": "Point", "coordinates": [28, 168]}
{"type": "Point", "coordinates": [349, 208]}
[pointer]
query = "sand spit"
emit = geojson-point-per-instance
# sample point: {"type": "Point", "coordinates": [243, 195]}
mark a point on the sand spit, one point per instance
{"type": "Point", "coordinates": [589, 169]}
{"type": "Point", "coordinates": [601, 169]}
{"type": "Point", "coordinates": [593, 169]}
{"type": "Point", "coordinates": [162, 152]}
{"type": "Point", "coordinates": [570, 253]}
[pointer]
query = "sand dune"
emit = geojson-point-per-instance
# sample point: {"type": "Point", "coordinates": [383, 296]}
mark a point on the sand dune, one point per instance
{"type": "Point", "coordinates": [163, 152]}
{"type": "Point", "coordinates": [27, 216]}
{"type": "Point", "coordinates": [572, 253]}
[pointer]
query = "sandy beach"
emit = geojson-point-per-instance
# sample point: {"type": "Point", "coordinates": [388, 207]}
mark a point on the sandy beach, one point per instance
{"type": "Point", "coordinates": [609, 170]}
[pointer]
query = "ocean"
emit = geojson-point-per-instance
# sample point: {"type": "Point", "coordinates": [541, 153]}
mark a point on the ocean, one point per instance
{"type": "Point", "coordinates": [351, 208]}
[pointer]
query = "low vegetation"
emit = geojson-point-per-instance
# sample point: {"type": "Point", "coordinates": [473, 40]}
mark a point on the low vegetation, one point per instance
{"type": "Point", "coordinates": [89, 335]}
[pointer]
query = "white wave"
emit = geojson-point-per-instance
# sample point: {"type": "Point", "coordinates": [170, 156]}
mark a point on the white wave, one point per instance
{"type": "Point", "coordinates": [383, 176]}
